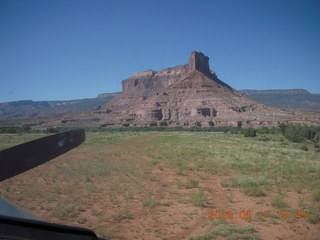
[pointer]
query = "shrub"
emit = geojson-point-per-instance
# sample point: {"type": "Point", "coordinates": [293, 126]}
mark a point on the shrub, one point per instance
{"type": "Point", "coordinates": [122, 215]}
{"type": "Point", "coordinates": [313, 214]}
{"type": "Point", "coordinates": [250, 186]}
{"type": "Point", "coordinates": [81, 219]}
{"type": "Point", "coordinates": [263, 130]}
{"type": "Point", "coordinates": [282, 127]}
{"type": "Point", "coordinates": [230, 196]}
{"type": "Point", "coordinates": [199, 198]}
{"type": "Point", "coordinates": [298, 132]}
{"type": "Point", "coordinates": [264, 138]}
{"type": "Point", "coordinates": [304, 147]}
{"type": "Point", "coordinates": [8, 130]}
{"type": "Point", "coordinates": [63, 212]}
{"type": "Point", "coordinates": [250, 132]}
{"type": "Point", "coordinates": [153, 203]}
{"type": "Point", "coordinates": [192, 183]}
{"type": "Point", "coordinates": [316, 195]}
{"type": "Point", "coordinates": [254, 191]}
{"type": "Point", "coordinates": [52, 130]}
{"type": "Point", "coordinates": [229, 231]}
{"type": "Point", "coordinates": [278, 201]}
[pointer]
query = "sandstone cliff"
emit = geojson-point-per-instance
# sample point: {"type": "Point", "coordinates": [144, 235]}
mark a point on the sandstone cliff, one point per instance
{"type": "Point", "coordinates": [185, 95]}
{"type": "Point", "coordinates": [188, 95]}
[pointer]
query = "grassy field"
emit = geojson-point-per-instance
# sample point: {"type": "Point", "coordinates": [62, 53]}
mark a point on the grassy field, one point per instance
{"type": "Point", "coordinates": [176, 185]}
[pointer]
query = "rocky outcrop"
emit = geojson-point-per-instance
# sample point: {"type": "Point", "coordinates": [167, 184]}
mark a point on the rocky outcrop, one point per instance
{"type": "Point", "coordinates": [145, 84]}
{"type": "Point", "coordinates": [188, 95]}
{"type": "Point", "coordinates": [199, 62]}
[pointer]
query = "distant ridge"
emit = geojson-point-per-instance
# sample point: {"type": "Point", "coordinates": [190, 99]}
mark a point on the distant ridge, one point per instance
{"type": "Point", "coordinates": [288, 98]}
{"type": "Point", "coordinates": [104, 95]}
{"type": "Point", "coordinates": [275, 91]}
{"type": "Point", "coordinates": [25, 109]}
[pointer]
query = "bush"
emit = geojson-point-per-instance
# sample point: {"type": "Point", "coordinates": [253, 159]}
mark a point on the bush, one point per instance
{"type": "Point", "coordinates": [52, 130]}
{"type": "Point", "coordinates": [264, 138]}
{"type": "Point", "coordinates": [316, 195]}
{"type": "Point", "coordinates": [253, 191]}
{"type": "Point", "coordinates": [8, 130]}
{"type": "Point", "coordinates": [304, 148]}
{"type": "Point", "coordinates": [313, 214]}
{"type": "Point", "coordinates": [250, 132]}
{"type": "Point", "coordinates": [278, 201]}
{"type": "Point", "coordinates": [153, 203]}
{"type": "Point", "coordinates": [229, 231]}
{"type": "Point", "coordinates": [23, 129]}
{"type": "Point", "coordinates": [192, 183]}
{"type": "Point", "coordinates": [124, 214]}
{"type": "Point", "coordinates": [263, 130]}
{"type": "Point", "coordinates": [199, 198]}
{"type": "Point", "coordinates": [282, 127]}
{"type": "Point", "coordinates": [298, 133]}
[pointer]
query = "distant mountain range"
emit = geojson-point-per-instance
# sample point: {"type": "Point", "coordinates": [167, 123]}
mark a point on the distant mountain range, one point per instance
{"type": "Point", "coordinates": [289, 98]}
{"type": "Point", "coordinates": [33, 109]}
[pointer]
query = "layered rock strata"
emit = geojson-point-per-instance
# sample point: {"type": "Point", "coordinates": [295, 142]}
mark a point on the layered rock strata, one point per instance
{"type": "Point", "coordinates": [188, 95]}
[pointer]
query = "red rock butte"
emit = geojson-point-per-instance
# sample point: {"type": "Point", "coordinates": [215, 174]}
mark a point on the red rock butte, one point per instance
{"type": "Point", "coordinates": [186, 95]}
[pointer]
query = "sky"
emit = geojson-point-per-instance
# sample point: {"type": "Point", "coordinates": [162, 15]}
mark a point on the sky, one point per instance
{"type": "Point", "coordinates": [73, 49]}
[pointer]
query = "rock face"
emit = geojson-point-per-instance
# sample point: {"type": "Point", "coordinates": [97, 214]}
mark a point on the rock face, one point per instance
{"type": "Point", "coordinates": [187, 95]}
{"type": "Point", "coordinates": [143, 85]}
{"type": "Point", "coordinates": [199, 62]}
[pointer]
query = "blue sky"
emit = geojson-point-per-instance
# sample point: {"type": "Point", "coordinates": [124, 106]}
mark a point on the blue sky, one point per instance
{"type": "Point", "coordinates": [71, 49]}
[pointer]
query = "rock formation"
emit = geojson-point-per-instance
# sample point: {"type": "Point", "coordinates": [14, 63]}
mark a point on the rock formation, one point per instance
{"type": "Point", "coordinates": [187, 95]}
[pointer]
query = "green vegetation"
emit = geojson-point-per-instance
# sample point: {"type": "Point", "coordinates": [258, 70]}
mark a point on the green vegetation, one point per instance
{"type": "Point", "coordinates": [316, 195]}
{"type": "Point", "coordinates": [199, 198]}
{"type": "Point", "coordinates": [124, 214]}
{"type": "Point", "coordinates": [298, 132]}
{"type": "Point", "coordinates": [250, 132]}
{"type": "Point", "coordinates": [313, 214]}
{"type": "Point", "coordinates": [252, 186]}
{"type": "Point", "coordinates": [230, 129]}
{"type": "Point", "coordinates": [278, 202]}
{"type": "Point", "coordinates": [153, 203]}
{"type": "Point", "coordinates": [132, 168]}
{"type": "Point", "coordinates": [106, 233]}
{"type": "Point", "coordinates": [191, 183]}
{"type": "Point", "coordinates": [229, 231]}
{"type": "Point", "coordinates": [65, 211]}
{"type": "Point", "coordinates": [230, 196]}
{"type": "Point", "coordinates": [23, 129]}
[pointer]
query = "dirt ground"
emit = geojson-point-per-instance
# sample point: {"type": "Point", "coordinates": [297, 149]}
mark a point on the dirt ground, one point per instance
{"type": "Point", "coordinates": [170, 214]}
